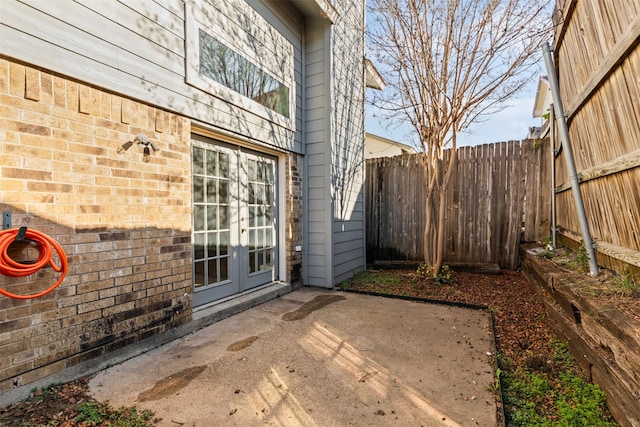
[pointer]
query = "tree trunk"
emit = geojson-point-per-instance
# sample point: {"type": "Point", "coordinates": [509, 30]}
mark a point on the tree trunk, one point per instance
{"type": "Point", "coordinates": [443, 191]}
{"type": "Point", "coordinates": [427, 231]}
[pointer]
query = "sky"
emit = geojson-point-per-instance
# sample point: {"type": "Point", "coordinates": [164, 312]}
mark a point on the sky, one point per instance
{"type": "Point", "coordinates": [512, 123]}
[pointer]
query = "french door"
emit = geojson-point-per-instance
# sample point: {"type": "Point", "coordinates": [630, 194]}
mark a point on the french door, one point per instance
{"type": "Point", "coordinates": [234, 235]}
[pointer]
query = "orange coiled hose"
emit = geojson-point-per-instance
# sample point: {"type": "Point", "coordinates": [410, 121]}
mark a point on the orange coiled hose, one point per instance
{"type": "Point", "coordinates": [12, 268]}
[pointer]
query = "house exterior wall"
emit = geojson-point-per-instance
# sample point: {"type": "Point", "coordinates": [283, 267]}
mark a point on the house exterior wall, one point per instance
{"type": "Point", "coordinates": [123, 223]}
{"type": "Point", "coordinates": [377, 146]}
{"type": "Point", "coordinates": [79, 79]}
{"type": "Point", "coordinates": [334, 142]}
{"type": "Point", "coordinates": [347, 124]}
{"type": "Point", "coordinates": [317, 159]}
{"type": "Point", "coordinates": [139, 48]}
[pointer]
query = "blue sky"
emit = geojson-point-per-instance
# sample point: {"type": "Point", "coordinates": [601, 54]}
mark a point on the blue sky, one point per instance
{"type": "Point", "coordinates": [512, 123]}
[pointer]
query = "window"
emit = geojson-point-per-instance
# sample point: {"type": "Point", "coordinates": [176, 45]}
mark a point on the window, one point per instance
{"type": "Point", "coordinates": [250, 66]}
{"type": "Point", "coordinates": [227, 67]}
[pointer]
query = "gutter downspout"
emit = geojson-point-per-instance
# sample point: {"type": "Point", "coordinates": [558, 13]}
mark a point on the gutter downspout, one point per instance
{"type": "Point", "coordinates": [554, 224]}
{"type": "Point", "coordinates": [571, 167]}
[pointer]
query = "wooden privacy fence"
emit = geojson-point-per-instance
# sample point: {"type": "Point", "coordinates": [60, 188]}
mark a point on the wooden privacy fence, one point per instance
{"type": "Point", "coordinates": [499, 195]}
{"type": "Point", "coordinates": [597, 56]}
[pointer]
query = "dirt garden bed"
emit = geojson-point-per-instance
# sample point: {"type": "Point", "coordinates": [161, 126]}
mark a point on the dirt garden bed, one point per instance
{"type": "Point", "coordinates": [598, 317]}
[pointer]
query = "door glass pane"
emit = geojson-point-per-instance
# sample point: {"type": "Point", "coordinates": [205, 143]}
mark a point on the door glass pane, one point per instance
{"type": "Point", "coordinates": [212, 190]}
{"type": "Point", "coordinates": [223, 165]}
{"type": "Point", "coordinates": [223, 191]}
{"type": "Point", "coordinates": [210, 215]}
{"type": "Point", "coordinates": [260, 197]}
{"type": "Point", "coordinates": [198, 274]}
{"type": "Point", "coordinates": [212, 158]}
{"type": "Point", "coordinates": [223, 246]}
{"type": "Point", "coordinates": [213, 272]}
{"type": "Point", "coordinates": [252, 262]}
{"type": "Point", "coordinates": [223, 219]}
{"type": "Point", "coordinates": [212, 245]}
{"type": "Point", "coordinates": [260, 242]}
{"type": "Point", "coordinates": [198, 218]}
{"type": "Point", "coordinates": [198, 161]}
{"type": "Point", "coordinates": [252, 193]}
{"type": "Point", "coordinates": [252, 175]}
{"type": "Point", "coordinates": [198, 246]}
{"type": "Point", "coordinates": [267, 217]}
{"type": "Point", "coordinates": [263, 265]}
{"type": "Point", "coordinates": [224, 269]}
{"type": "Point", "coordinates": [198, 189]}
{"type": "Point", "coordinates": [252, 216]}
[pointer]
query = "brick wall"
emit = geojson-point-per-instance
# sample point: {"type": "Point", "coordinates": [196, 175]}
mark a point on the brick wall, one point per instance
{"type": "Point", "coordinates": [124, 223]}
{"type": "Point", "coordinates": [294, 217]}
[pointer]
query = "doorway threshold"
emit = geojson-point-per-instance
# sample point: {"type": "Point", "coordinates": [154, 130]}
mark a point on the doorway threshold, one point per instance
{"type": "Point", "coordinates": [208, 314]}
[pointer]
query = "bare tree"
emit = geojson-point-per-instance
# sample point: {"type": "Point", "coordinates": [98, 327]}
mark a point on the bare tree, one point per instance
{"type": "Point", "coordinates": [447, 63]}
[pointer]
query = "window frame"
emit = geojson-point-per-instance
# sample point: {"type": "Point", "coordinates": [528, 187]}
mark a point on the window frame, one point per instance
{"type": "Point", "coordinates": [194, 23]}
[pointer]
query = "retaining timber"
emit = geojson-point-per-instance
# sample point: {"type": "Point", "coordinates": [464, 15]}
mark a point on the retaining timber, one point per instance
{"type": "Point", "coordinates": [604, 337]}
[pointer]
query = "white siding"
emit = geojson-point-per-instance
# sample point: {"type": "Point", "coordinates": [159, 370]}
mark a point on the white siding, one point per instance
{"type": "Point", "coordinates": [136, 48]}
{"type": "Point", "coordinates": [377, 146]}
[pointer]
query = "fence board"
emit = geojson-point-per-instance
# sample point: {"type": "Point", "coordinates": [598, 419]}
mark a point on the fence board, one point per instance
{"type": "Point", "coordinates": [598, 60]}
{"type": "Point", "coordinates": [485, 204]}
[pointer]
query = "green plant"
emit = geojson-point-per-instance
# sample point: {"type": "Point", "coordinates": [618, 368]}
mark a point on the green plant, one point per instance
{"type": "Point", "coordinates": [580, 403]}
{"type": "Point", "coordinates": [91, 413]}
{"type": "Point", "coordinates": [562, 357]}
{"type": "Point", "coordinates": [561, 397]}
{"type": "Point", "coordinates": [547, 242]}
{"type": "Point", "coordinates": [582, 259]}
{"type": "Point", "coordinates": [131, 417]}
{"type": "Point", "coordinates": [422, 270]}
{"type": "Point", "coordinates": [46, 393]}
{"type": "Point", "coordinates": [495, 386]}
{"type": "Point", "coordinates": [444, 276]}
{"type": "Point", "coordinates": [524, 395]}
{"type": "Point", "coordinates": [625, 286]}
{"type": "Point", "coordinates": [95, 413]}
{"type": "Point", "coordinates": [441, 278]}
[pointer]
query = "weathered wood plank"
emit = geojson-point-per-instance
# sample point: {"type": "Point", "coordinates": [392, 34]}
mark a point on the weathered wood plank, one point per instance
{"type": "Point", "coordinates": [602, 338]}
{"type": "Point", "coordinates": [613, 58]}
{"type": "Point", "coordinates": [622, 163]}
{"type": "Point", "coordinates": [597, 54]}
{"type": "Point", "coordinates": [484, 210]}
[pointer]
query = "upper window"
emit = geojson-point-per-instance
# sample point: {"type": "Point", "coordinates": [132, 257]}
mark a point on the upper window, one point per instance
{"type": "Point", "coordinates": [250, 66]}
{"type": "Point", "coordinates": [230, 68]}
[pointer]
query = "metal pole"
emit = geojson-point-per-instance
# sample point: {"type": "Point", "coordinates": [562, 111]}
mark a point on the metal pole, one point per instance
{"type": "Point", "coordinates": [568, 156]}
{"type": "Point", "coordinates": [552, 130]}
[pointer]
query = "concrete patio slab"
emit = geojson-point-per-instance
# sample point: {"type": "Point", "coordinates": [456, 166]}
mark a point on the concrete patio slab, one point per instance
{"type": "Point", "coordinates": [318, 358]}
